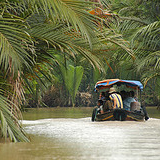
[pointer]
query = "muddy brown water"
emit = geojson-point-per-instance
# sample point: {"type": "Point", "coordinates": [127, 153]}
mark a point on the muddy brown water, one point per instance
{"type": "Point", "coordinates": [80, 139]}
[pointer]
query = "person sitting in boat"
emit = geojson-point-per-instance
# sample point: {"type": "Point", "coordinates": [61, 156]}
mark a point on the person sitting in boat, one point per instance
{"type": "Point", "coordinates": [115, 98]}
{"type": "Point", "coordinates": [127, 101]}
{"type": "Point", "coordinates": [100, 106]}
{"type": "Point", "coordinates": [134, 105]}
{"type": "Point", "coordinates": [123, 95]}
{"type": "Point", "coordinates": [101, 101]}
{"type": "Point", "coordinates": [107, 104]}
{"type": "Point", "coordinates": [130, 103]}
{"type": "Point", "coordinates": [102, 96]}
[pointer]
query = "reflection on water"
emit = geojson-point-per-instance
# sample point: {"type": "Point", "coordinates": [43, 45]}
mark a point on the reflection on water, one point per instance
{"type": "Point", "coordinates": [81, 139]}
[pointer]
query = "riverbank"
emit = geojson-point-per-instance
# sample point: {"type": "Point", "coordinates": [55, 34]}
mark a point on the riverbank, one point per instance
{"type": "Point", "coordinates": [56, 112]}
{"type": "Point", "coordinates": [70, 112]}
{"type": "Point", "coordinates": [153, 112]}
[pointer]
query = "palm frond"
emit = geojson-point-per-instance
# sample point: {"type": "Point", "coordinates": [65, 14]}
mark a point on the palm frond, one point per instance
{"type": "Point", "coordinates": [149, 75]}
{"type": "Point", "coordinates": [151, 60]}
{"type": "Point", "coordinates": [149, 35]}
{"type": "Point", "coordinates": [73, 13]}
{"type": "Point", "coordinates": [14, 43]}
{"type": "Point", "coordinates": [109, 37]}
{"type": "Point", "coordinates": [60, 37]}
{"type": "Point", "coordinates": [10, 125]}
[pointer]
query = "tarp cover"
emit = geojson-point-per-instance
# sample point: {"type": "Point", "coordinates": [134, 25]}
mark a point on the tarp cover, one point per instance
{"type": "Point", "coordinates": [110, 82]}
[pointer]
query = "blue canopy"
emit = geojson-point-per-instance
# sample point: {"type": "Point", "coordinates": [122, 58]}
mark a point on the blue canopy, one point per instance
{"type": "Point", "coordinates": [110, 82]}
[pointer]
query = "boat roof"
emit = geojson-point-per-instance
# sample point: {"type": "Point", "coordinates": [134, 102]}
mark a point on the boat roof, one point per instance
{"type": "Point", "coordinates": [108, 83]}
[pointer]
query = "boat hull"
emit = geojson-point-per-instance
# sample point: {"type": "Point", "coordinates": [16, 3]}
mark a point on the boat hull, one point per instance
{"type": "Point", "coordinates": [119, 115]}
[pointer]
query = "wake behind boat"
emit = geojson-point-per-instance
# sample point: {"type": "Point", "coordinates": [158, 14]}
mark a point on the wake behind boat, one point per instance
{"type": "Point", "coordinates": [134, 113]}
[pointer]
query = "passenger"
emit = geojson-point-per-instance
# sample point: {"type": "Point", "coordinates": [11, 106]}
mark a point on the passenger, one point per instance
{"type": "Point", "coordinates": [100, 106]}
{"type": "Point", "coordinates": [115, 98]}
{"type": "Point", "coordinates": [107, 105]}
{"type": "Point", "coordinates": [102, 96]}
{"type": "Point", "coordinates": [132, 94]}
{"type": "Point", "coordinates": [135, 105]}
{"type": "Point", "coordinates": [123, 95]}
{"type": "Point", "coordinates": [102, 100]}
{"type": "Point", "coordinates": [129, 101]}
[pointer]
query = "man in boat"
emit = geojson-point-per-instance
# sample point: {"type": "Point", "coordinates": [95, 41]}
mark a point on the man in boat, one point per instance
{"type": "Point", "coordinates": [129, 98]}
{"type": "Point", "coordinates": [107, 105]}
{"type": "Point", "coordinates": [102, 96]}
{"type": "Point", "coordinates": [115, 98]}
{"type": "Point", "coordinates": [99, 106]}
{"type": "Point", "coordinates": [104, 103]}
{"type": "Point", "coordinates": [130, 103]}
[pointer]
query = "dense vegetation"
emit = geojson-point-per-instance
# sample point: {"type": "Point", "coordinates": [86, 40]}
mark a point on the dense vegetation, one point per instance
{"type": "Point", "coordinates": [53, 52]}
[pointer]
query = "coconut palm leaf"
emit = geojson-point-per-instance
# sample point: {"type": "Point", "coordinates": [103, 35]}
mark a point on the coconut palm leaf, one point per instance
{"type": "Point", "coordinates": [14, 43]}
{"type": "Point", "coordinates": [149, 35]}
{"type": "Point", "coordinates": [148, 76]}
{"type": "Point", "coordinates": [72, 13]}
{"type": "Point", "coordinates": [10, 125]}
{"type": "Point", "coordinates": [61, 38]}
{"type": "Point", "coordinates": [151, 60]}
{"type": "Point", "coordinates": [110, 37]}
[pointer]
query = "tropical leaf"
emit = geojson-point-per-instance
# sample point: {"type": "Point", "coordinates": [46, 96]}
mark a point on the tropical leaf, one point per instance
{"type": "Point", "coordinates": [109, 37]}
{"type": "Point", "coordinates": [150, 61]}
{"type": "Point", "coordinates": [67, 41]}
{"type": "Point", "coordinates": [72, 77]}
{"type": "Point", "coordinates": [10, 125]}
{"type": "Point", "coordinates": [149, 35]}
{"type": "Point", "coordinates": [96, 75]}
{"type": "Point", "coordinates": [73, 13]}
{"type": "Point", "coordinates": [14, 43]}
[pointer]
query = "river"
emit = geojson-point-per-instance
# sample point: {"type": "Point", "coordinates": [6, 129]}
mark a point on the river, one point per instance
{"type": "Point", "coordinates": [67, 138]}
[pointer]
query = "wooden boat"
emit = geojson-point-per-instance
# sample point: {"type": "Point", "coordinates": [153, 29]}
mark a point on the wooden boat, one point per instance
{"type": "Point", "coordinates": [119, 114]}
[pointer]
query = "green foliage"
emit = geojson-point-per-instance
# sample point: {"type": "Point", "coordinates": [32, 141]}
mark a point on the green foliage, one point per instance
{"type": "Point", "coordinates": [10, 125]}
{"type": "Point", "coordinates": [12, 38]}
{"type": "Point", "coordinates": [96, 75]}
{"type": "Point", "coordinates": [72, 78]}
{"type": "Point", "coordinates": [27, 30]}
{"type": "Point", "coordinates": [45, 43]}
{"type": "Point", "coordinates": [139, 24]}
